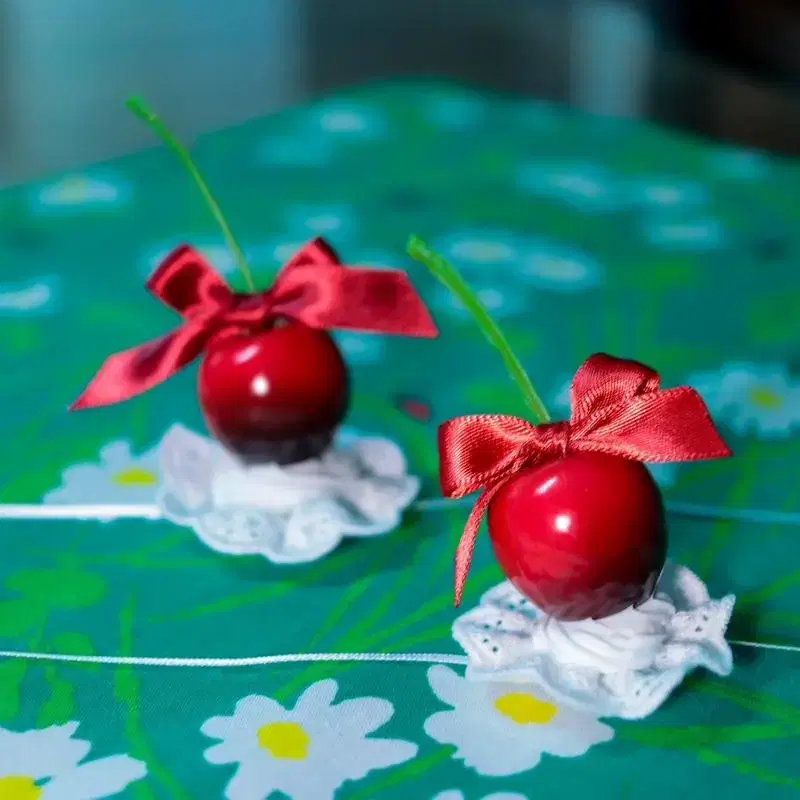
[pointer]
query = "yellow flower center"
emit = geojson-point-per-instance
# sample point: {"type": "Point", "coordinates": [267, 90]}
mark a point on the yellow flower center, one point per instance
{"type": "Point", "coordinates": [136, 476]}
{"type": "Point", "coordinates": [18, 787]}
{"type": "Point", "coordinates": [762, 397]}
{"type": "Point", "coordinates": [285, 740]}
{"type": "Point", "coordinates": [525, 709]}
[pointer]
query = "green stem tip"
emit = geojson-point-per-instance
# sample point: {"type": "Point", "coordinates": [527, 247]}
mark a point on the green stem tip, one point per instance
{"type": "Point", "coordinates": [450, 277]}
{"type": "Point", "coordinates": [142, 111]}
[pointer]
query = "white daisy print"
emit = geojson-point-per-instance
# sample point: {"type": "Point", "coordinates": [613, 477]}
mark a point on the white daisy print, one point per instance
{"type": "Point", "coordinates": [118, 476]}
{"type": "Point", "coordinates": [347, 120]}
{"type": "Point", "coordinates": [666, 192]}
{"type": "Point", "coordinates": [48, 764]}
{"type": "Point", "coordinates": [454, 111]}
{"type": "Point", "coordinates": [685, 235]}
{"type": "Point", "coordinates": [739, 164]}
{"type": "Point", "coordinates": [456, 794]}
{"type": "Point", "coordinates": [480, 248]}
{"type": "Point", "coordinates": [34, 297]}
{"type": "Point", "coordinates": [560, 268]}
{"type": "Point", "coordinates": [306, 752]}
{"type": "Point", "coordinates": [81, 190]}
{"type": "Point", "coordinates": [500, 302]}
{"type": "Point", "coordinates": [335, 221]}
{"type": "Point", "coordinates": [502, 729]}
{"type": "Point", "coordinates": [585, 186]}
{"type": "Point", "coordinates": [752, 399]}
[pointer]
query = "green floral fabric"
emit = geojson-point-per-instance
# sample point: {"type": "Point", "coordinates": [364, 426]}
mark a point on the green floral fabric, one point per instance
{"type": "Point", "coordinates": [581, 235]}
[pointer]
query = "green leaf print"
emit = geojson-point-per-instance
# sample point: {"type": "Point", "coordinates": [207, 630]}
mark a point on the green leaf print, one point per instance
{"type": "Point", "coordinates": [12, 673]}
{"type": "Point", "coordinates": [483, 396]}
{"type": "Point", "coordinates": [21, 338]}
{"type": "Point", "coordinates": [20, 616]}
{"type": "Point", "coordinates": [699, 737]}
{"type": "Point", "coordinates": [772, 318]}
{"type": "Point", "coordinates": [64, 587]}
{"type": "Point", "coordinates": [127, 690]}
{"type": "Point", "coordinates": [668, 273]}
{"type": "Point", "coordinates": [60, 705]}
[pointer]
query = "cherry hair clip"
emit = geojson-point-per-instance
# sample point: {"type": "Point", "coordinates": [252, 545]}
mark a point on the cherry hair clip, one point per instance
{"type": "Point", "coordinates": [593, 615]}
{"type": "Point", "coordinates": [280, 478]}
{"type": "Point", "coordinates": [273, 385]}
{"type": "Point", "coordinates": [592, 611]}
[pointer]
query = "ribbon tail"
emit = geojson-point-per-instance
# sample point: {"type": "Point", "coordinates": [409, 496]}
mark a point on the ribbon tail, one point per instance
{"type": "Point", "coordinates": [466, 545]}
{"type": "Point", "coordinates": [384, 301]}
{"type": "Point", "coordinates": [132, 372]}
{"type": "Point", "coordinates": [353, 298]}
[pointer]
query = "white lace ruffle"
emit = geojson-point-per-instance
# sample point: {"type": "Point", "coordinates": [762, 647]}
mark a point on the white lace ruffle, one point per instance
{"type": "Point", "coordinates": [291, 514]}
{"type": "Point", "coordinates": [622, 666]}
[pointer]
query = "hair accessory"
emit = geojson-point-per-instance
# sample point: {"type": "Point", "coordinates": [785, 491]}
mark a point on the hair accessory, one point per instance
{"type": "Point", "coordinates": [313, 288]}
{"type": "Point", "coordinates": [618, 409]}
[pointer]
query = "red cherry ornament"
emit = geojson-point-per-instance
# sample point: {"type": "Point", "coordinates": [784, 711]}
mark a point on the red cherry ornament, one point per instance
{"type": "Point", "coordinates": [575, 518]}
{"type": "Point", "coordinates": [274, 396]}
{"type": "Point", "coordinates": [273, 385]}
{"type": "Point", "coordinates": [582, 536]}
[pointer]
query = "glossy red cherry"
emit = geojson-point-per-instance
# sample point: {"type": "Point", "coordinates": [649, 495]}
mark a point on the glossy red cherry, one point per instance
{"type": "Point", "coordinates": [582, 537]}
{"type": "Point", "coordinates": [274, 396]}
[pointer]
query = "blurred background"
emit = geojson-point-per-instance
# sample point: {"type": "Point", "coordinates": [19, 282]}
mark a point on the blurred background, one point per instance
{"type": "Point", "coordinates": [727, 69]}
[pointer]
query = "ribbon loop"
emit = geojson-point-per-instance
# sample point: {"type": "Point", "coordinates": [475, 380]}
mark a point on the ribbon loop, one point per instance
{"type": "Point", "coordinates": [618, 408]}
{"type": "Point", "coordinates": [602, 382]}
{"type": "Point", "coordinates": [188, 284]}
{"type": "Point", "coordinates": [313, 288]}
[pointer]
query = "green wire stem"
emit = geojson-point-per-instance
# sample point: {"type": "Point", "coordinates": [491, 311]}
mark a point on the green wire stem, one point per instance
{"type": "Point", "coordinates": [450, 277]}
{"type": "Point", "coordinates": [140, 109]}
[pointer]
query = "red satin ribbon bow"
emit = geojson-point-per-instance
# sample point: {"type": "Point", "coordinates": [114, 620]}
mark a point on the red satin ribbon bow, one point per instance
{"type": "Point", "coordinates": [618, 408]}
{"type": "Point", "coordinates": [313, 287]}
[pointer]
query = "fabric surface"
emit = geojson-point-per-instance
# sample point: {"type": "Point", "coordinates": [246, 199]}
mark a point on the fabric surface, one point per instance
{"type": "Point", "coordinates": [581, 235]}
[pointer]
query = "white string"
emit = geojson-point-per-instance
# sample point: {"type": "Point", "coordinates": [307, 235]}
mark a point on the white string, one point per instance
{"type": "Point", "coordinates": [788, 648]}
{"type": "Point", "coordinates": [111, 511]}
{"type": "Point", "coordinates": [289, 658]}
{"type": "Point", "coordinates": [96, 511]}
{"type": "Point", "coordinates": [228, 663]}
{"type": "Point", "coordinates": [108, 512]}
